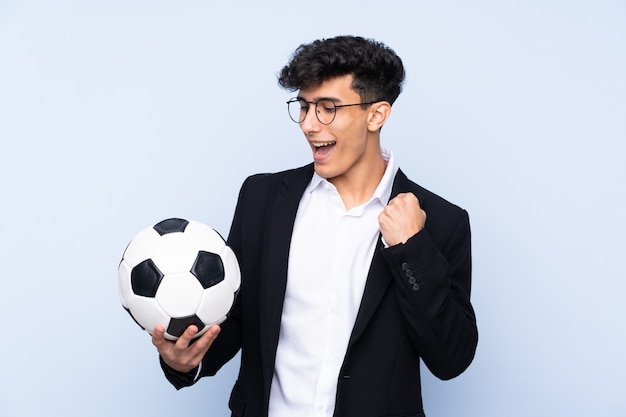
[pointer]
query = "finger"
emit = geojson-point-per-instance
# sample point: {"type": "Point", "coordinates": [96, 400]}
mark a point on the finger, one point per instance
{"type": "Point", "coordinates": [212, 333]}
{"type": "Point", "coordinates": [185, 339]}
{"type": "Point", "coordinates": [206, 340]}
{"type": "Point", "coordinates": [410, 198]}
{"type": "Point", "coordinates": [158, 336]}
{"type": "Point", "coordinates": [400, 200]}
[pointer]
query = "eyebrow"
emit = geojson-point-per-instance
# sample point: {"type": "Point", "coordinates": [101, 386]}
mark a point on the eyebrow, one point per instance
{"type": "Point", "coordinates": [316, 99]}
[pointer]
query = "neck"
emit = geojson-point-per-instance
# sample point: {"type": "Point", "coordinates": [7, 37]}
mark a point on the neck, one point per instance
{"type": "Point", "coordinates": [359, 185]}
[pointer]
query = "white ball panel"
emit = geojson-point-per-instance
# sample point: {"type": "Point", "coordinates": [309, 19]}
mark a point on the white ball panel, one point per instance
{"type": "Point", "coordinates": [179, 294]}
{"type": "Point", "coordinates": [216, 303]}
{"type": "Point", "coordinates": [207, 238]}
{"type": "Point", "coordinates": [231, 268]}
{"type": "Point", "coordinates": [123, 279]}
{"type": "Point", "coordinates": [175, 253]}
{"type": "Point", "coordinates": [141, 247]}
{"type": "Point", "coordinates": [148, 313]}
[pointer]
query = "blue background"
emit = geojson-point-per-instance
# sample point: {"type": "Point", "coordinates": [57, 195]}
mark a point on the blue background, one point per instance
{"type": "Point", "coordinates": [117, 114]}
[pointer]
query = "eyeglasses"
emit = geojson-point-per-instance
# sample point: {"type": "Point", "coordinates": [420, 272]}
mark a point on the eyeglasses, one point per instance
{"type": "Point", "coordinates": [325, 109]}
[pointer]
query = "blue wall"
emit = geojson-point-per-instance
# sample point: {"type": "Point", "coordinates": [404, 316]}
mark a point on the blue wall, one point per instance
{"type": "Point", "coordinates": [117, 114]}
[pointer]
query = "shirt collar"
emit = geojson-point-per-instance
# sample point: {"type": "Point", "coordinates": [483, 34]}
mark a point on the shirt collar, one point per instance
{"type": "Point", "coordinates": [383, 191]}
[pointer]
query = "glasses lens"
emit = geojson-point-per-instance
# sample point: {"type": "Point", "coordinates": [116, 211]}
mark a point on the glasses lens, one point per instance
{"type": "Point", "coordinates": [297, 109]}
{"type": "Point", "coordinates": [325, 111]}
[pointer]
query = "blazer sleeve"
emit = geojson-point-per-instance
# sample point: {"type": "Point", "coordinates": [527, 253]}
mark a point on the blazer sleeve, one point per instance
{"type": "Point", "coordinates": [432, 276]}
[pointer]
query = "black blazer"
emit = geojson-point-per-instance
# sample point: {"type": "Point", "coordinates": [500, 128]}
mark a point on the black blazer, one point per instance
{"type": "Point", "coordinates": [416, 304]}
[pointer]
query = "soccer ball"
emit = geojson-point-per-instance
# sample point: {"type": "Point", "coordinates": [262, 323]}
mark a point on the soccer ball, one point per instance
{"type": "Point", "coordinates": [177, 273]}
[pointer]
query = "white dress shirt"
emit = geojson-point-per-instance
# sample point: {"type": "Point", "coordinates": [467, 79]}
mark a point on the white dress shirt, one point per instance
{"type": "Point", "coordinates": [330, 256]}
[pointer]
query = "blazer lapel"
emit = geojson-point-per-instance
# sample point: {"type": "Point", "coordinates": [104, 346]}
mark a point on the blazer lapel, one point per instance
{"type": "Point", "coordinates": [379, 277]}
{"type": "Point", "coordinates": [288, 192]}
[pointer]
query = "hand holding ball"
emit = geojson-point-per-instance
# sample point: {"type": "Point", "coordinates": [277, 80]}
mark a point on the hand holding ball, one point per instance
{"type": "Point", "coordinates": [178, 273]}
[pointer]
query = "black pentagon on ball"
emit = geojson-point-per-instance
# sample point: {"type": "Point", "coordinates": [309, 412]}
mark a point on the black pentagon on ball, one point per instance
{"type": "Point", "coordinates": [208, 268]}
{"type": "Point", "coordinates": [178, 324]}
{"type": "Point", "coordinates": [171, 226]}
{"type": "Point", "coordinates": [145, 278]}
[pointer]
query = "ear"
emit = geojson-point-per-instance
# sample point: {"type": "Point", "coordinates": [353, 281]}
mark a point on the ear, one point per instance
{"type": "Point", "coordinates": [378, 115]}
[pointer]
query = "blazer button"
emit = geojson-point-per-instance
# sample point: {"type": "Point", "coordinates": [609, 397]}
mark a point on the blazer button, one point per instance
{"type": "Point", "coordinates": [412, 280]}
{"type": "Point", "coordinates": [405, 266]}
{"type": "Point", "coordinates": [416, 287]}
{"type": "Point", "coordinates": [408, 273]}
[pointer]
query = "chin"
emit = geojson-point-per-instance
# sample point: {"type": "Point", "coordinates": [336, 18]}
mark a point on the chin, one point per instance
{"type": "Point", "coordinates": [324, 173]}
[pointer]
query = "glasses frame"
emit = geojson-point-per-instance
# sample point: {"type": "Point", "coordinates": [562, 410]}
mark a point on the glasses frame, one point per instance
{"type": "Point", "coordinates": [337, 106]}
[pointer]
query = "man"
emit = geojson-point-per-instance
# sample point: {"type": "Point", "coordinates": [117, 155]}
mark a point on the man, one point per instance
{"type": "Point", "coordinates": [350, 272]}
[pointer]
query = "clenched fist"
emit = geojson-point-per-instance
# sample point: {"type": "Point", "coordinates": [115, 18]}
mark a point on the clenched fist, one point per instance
{"type": "Point", "coordinates": [401, 219]}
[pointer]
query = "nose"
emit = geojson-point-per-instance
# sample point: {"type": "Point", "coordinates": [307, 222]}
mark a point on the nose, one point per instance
{"type": "Point", "coordinates": [310, 122]}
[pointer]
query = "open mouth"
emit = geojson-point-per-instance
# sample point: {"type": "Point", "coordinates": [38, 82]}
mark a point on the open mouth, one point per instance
{"type": "Point", "coordinates": [322, 148]}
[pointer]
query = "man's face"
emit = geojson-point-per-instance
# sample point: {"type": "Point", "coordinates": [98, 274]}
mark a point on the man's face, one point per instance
{"type": "Point", "coordinates": [344, 147]}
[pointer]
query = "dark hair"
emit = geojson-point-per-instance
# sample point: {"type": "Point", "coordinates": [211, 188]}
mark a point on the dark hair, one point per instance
{"type": "Point", "coordinates": [378, 72]}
